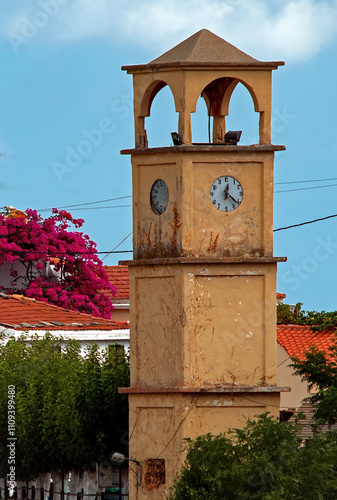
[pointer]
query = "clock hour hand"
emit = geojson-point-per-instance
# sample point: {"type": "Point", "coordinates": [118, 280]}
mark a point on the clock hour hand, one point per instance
{"type": "Point", "coordinates": [227, 195]}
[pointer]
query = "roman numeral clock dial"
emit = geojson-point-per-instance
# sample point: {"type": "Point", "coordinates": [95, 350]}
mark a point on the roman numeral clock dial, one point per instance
{"type": "Point", "coordinates": [226, 193]}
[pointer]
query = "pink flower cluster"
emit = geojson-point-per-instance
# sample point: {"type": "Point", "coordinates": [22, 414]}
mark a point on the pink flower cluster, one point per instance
{"type": "Point", "coordinates": [80, 281]}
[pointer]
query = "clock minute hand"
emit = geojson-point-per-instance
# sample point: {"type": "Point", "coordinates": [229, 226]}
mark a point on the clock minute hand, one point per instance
{"type": "Point", "coordinates": [234, 199]}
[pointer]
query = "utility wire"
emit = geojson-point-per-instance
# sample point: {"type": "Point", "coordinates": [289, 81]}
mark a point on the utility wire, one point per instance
{"type": "Point", "coordinates": [113, 250]}
{"type": "Point", "coordinates": [130, 196]}
{"type": "Point", "coordinates": [311, 180]}
{"type": "Point", "coordinates": [304, 223]}
{"type": "Point", "coordinates": [87, 203]}
{"type": "Point", "coordinates": [56, 253]}
{"type": "Point", "coordinates": [98, 208]}
{"type": "Point", "coordinates": [305, 188]}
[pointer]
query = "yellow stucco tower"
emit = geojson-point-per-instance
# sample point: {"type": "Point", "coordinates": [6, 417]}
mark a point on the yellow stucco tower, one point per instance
{"type": "Point", "coordinates": [203, 274]}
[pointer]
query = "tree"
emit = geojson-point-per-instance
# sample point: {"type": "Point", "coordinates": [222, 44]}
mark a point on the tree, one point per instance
{"type": "Point", "coordinates": [80, 281]}
{"type": "Point", "coordinates": [320, 370]}
{"type": "Point", "coordinates": [317, 367]}
{"type": "Point", "coordinates": [68, 412]}
{"type": "Point", "coordinates": [297, 316]}
{"type": "Point", "coordinates": [265, 460]}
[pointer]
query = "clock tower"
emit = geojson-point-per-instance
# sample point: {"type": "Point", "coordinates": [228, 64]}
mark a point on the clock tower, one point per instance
{"type": "Point", "coordinates": [203, 274]}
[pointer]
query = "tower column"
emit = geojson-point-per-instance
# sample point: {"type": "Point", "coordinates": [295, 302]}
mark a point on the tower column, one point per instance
{"type": "Point", "coordinates": [203, 274]}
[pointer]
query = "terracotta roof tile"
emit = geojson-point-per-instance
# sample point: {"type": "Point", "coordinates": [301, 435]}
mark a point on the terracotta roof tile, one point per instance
{"type": "Point", "coordinates": [297, 339]}
{"type": "Point", "coordinates": [204, 48]}
{"type": "Point", "coordinates": [280, 295]}
{"type": "Point", "coordinates": [20, 313]}
{"type": "Point", "coordinates": [119, 277]}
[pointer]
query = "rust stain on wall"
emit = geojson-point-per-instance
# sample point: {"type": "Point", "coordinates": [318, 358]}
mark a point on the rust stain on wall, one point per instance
{"type": "Point", "coordinates": [175, 226]}
{"type": "Point", "coordinates": [146, 237]}
{"type": "Point", "coordinates": [213, 242]}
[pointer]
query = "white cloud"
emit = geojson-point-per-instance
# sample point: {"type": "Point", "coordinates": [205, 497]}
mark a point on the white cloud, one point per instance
{"type": "Point", "coordinates": [267, 29]}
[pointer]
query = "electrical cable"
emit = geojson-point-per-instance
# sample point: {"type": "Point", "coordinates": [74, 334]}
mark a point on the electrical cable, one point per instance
{"type": "Point", "coordinates": [305, 188]}
{"type": "Point", "coordinates": [130, 196]}
{"type": "Point", "coordinates": [311, 180]}
{"type": "Point", "coordinates": [304, 223]}
{"type": "Point", "coordinates": [99, 208]}
{"type": "Point", "coordinates": [56, 253]}
{"type": "Point", "coordinates": [87, 203]}
{"type": "Point", "coordinates": [113, 250]}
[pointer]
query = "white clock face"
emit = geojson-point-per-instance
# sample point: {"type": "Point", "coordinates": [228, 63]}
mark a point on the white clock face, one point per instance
{"type": "Point", "coordinates": [226, 193]}
{"type": "Point", "coordinates": [159, 196]}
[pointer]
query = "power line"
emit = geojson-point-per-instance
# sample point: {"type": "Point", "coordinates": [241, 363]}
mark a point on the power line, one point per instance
{"type": "Point", "coordinates": [112, 251]}
{"type": "Point", "coordinates": [99, 208]}
{"type": "Point", "coordinates": [311, 180]}
{"type": "Point", "coordinates": [87, 203]}
{"type": "Point", "coordinates": [130, 196]}
{"type": "Point", "coordinates": [305, 188]}
{"type": "Point", "coordinates": [56, 253]}
{"type": "Point", "coordinates": [304, 223]}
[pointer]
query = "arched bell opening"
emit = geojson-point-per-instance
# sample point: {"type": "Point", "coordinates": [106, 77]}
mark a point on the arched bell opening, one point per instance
{"type": "Point", "coordinates": [159, 115]}
{"type": "Point", "coordinates": [199, 123]}
{"type": "Point", "coordinates": [230, 106]}
{"type": "Point", "coordinates": [242, 115]}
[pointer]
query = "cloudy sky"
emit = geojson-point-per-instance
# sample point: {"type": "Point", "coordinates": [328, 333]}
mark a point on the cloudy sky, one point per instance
{"type": "Point", "coordinates": [66, 112]}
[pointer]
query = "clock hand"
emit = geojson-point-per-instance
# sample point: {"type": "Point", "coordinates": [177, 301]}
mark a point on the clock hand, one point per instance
{"type": "Point", "coordinates": [233, 199]}
{"type": "Point", "coordinates": [226, 192]}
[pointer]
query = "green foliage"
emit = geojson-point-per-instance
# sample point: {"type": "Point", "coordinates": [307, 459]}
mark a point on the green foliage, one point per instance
{"type": "Point", "coordinates": [265, 460]}
{"type": "Point", "coordinates": [68, 410]}
{"type": "Point", "coordinates": [317, 320]}
{"type": "Point", "coordinates": [320, 370]}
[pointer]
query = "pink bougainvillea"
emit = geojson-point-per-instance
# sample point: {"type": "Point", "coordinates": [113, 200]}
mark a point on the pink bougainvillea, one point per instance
{"type": "Point", "coordinates": [78, 281]}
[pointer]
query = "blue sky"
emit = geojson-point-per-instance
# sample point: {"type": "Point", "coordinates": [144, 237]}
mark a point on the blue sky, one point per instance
{"type": "Point", "coordinates": [66, 112]}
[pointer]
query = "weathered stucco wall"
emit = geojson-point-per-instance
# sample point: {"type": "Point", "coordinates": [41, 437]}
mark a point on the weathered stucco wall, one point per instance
{"type": "Point", "coordinates": [179, 340]}
{"type": "Point", "coordinates": [159, 422]}
{"type": "Point", "coordinates": [191, 225]}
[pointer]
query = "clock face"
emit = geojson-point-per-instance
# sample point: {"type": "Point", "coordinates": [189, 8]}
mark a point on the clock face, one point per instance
{"type": "Point", "coordinates": [226, 193]}
{"type": "Point", "coordinates": [159, 196]}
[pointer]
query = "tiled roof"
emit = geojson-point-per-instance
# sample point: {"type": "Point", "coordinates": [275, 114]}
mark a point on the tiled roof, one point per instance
{"type": "Point", "coordinates": [203, 48]}
{"type": "Point", "coordinates": [297, 339]}
{"type": "Point", "coordinates": [21, 313]}
{"type": "Point", "coordinates": [280, 296]}
{"type": "Point", "coordinates": [119, 277]}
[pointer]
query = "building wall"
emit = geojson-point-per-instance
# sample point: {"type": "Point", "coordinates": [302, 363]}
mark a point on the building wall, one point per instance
{"type": "Point", "coordinates": [121, 313]}
{"type": "Point", "coordinates": [286, 378]}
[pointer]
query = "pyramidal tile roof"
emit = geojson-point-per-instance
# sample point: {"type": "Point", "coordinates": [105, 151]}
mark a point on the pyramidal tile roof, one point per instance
{"type": "Point", "coordinates": [204, 48]}
{"type": "Point", "coordinates": [119, 277]}
{"type": "Point", "coordinates": [22, 313]}
{"type": "Point", "coordinates": [297, 339]}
